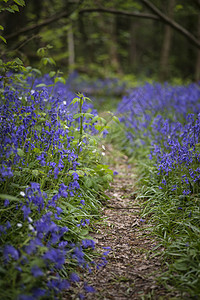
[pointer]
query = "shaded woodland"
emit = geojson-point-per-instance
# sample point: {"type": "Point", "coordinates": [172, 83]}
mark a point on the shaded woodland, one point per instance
{"type": "Point", "coordinates": [108, 38]}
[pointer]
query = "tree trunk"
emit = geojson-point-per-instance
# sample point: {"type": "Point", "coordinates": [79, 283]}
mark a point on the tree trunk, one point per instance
{"type": "Point", "coordinates": [165, 52]}
{"type": "Point", "coordinates": [112, 45]}
{"type": "Point", "coordinates": [133, 49]}
{"type": "Point", "coordinates": [197, 68]}
{"type": "Point", "coordinates": [71, 50]}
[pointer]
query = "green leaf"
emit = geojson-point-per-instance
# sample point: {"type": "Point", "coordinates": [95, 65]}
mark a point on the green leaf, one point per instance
{"type": "Point", "coordinates": [14, 7]}
{"type": "Point", "coordinates": [20, 2]}
{"type": "Point", "coordinates": [107, 178]}
{"type": "Point", "coordinates": [3, 39]}
{"type": "Point", "coordinates": [48, 60]}
{"type": "Point", "coordinates": [36, 150]}
{"type": "Point", "coordinates": [41, 85]}
{"type": "Point", "coordinates": [88, 115]}
{"type": "Point", "coordinates": [10, 10]}
{"type": "Point", "coordinates": [75, 100]}
{"type": "Point", "coordinates": [116, 119]}
{"type": "Point", "coordinates": [1, 27]}
{"type": "Point", "coordinates": [84, 232]}
{"type": "Point", "coordinates": [18, 61]}
{"type": "Point", "coordinates": [79, 172]}
{"type": "Point", "coordinates": [102, 120]}
{"type": "Point", "coordinates": [181, 265]}
{"type": "Point", "coordinates": [20, 152]}
{"type": "Point", "coordinates": [37, 71]}
{"type": "Point", "coordinates": [9, 197]}
{"type": "Point", "coordinates": [95, 119]}
{"type": "Point", "coordinates": [35, 172]}
{"type": "Point", "coordinates": [88, 182]}
{"type": "Point", "coordinates": [60, 79]}
{"type": "Point", "coordinates": [52, 74]}
{"type": "Point", "coordinates": [76, 116]}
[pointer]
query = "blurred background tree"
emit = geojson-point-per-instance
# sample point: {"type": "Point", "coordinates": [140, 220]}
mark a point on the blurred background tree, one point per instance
{"type": "Point", "coordinates": [141, 38]}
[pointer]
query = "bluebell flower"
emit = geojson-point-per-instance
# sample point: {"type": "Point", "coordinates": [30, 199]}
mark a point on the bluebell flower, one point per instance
{"type": "Point", "coordinates": [75, 176]}
{"type": "Point", "coordinates": [32, 246]}
{"type": "Point", "coordinates": [6, 202]}
{"type": "Point", "coordinates": [18, 268]}
{"type": "Point", "coordinates": [105, 133]}
{"type": "Point", "coordinates": [56, 172]}
{"type": "Point", "coordinates": [8, 225]}
{"type": "Point", "coordinates": [26, 210]}
{"type": "Point", "coordinates": [88, 243]}
{"type": "Point", "coordinates": [8, 251]}
{"type": "Point", "coordinates": [58, 284]}
{"type": "Point", "coordinates": [74, 277]}
{"type": "Point", "coordinates": [25, 297]}
{"type": "Point", "coordinates": [88, 288]}
{"type": "Point", "coordinates": [38, 293]}
{"type": "Point", "coordinates": [78, 254]}
{"type": "Point", "coordinates": [63, 244]}
{"type": "Point", "coordinates": [55, 256]}
{"type": "Point", "coordinates": [36, 271]}
{"type": "Point", "coordinates": [59, 210]}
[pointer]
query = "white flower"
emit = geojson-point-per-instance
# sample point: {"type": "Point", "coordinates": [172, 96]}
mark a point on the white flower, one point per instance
{"type": "Point", "coordinates": [103, 153]}
{"type": "Point", "coordinates": [30, 219]}
{"type": "Point", "coordinates": [22, 194]}
{"type": "Point", "coordinates": [19, 225]}
{"type": "Point", "coordinates": [64, 102]}
{"type": "Point", "coordinates": [32, 92]}
{"type": "Point", "coordinates": [103, 147]}
{"type": "Point", "coordinates": [31, 227]}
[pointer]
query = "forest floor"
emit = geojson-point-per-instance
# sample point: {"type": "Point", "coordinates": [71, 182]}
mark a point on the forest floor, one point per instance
{"type": "Point", "coordinates": [132, 268]}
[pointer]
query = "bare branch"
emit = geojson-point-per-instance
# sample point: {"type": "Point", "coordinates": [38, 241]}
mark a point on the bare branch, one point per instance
{"type": "Point", "coordinates": [119, 12]}
{"type": "Point", "coordinates": [172, 23]}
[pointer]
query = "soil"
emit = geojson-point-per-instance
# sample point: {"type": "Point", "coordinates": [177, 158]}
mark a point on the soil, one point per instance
{"type": "Point", "coordinates": [132, 268]}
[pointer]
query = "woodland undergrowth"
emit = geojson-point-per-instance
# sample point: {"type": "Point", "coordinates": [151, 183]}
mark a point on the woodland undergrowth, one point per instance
{"type": "Point", "coordinates": [53, 180]}
{"type": "Point", "coordinates": [162, 128]}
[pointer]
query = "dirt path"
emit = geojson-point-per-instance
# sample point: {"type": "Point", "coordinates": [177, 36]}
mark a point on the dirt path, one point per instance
{"type": "Point", "coordinates": [131, 270]}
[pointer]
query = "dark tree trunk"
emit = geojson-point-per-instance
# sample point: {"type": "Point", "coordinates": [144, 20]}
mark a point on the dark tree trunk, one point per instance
{"type": "Point", "coordinates": [71, 49]}
{"type": "Point", "coordinates": [165, 52]}
{"type": "Point", "coordinates": [112, 45]}
{"type": "Point", "coordinates": [133, 48]}
{"type": "Point", "coordinates": [197, 67]}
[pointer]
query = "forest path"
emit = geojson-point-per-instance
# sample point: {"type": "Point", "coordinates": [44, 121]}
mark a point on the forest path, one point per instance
{"type": "Point", "coordinates": [131, 269]}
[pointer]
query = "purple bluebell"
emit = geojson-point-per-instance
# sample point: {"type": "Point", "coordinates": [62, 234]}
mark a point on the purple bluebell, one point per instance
{"type": "Point", "coordinates": [36, 271]}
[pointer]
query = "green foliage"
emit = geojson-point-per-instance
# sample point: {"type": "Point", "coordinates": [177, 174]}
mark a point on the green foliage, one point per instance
{"type": "Point", "coordinates": [79, 209]}
{"type": "Point", "coordinates": [10, 7]}
{"type": "Point", "coordinates": [167, 185]}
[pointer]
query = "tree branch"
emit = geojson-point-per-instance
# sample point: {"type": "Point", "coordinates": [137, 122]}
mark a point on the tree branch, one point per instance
{"type": "Point", "coordinates": [159, 16]}
{"type": "Point", "coordinates": [46, 22]}
{"type": "Point", "coordinates": [172, 23]}
{"type": "Point", "coordinates": [119, 12]}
